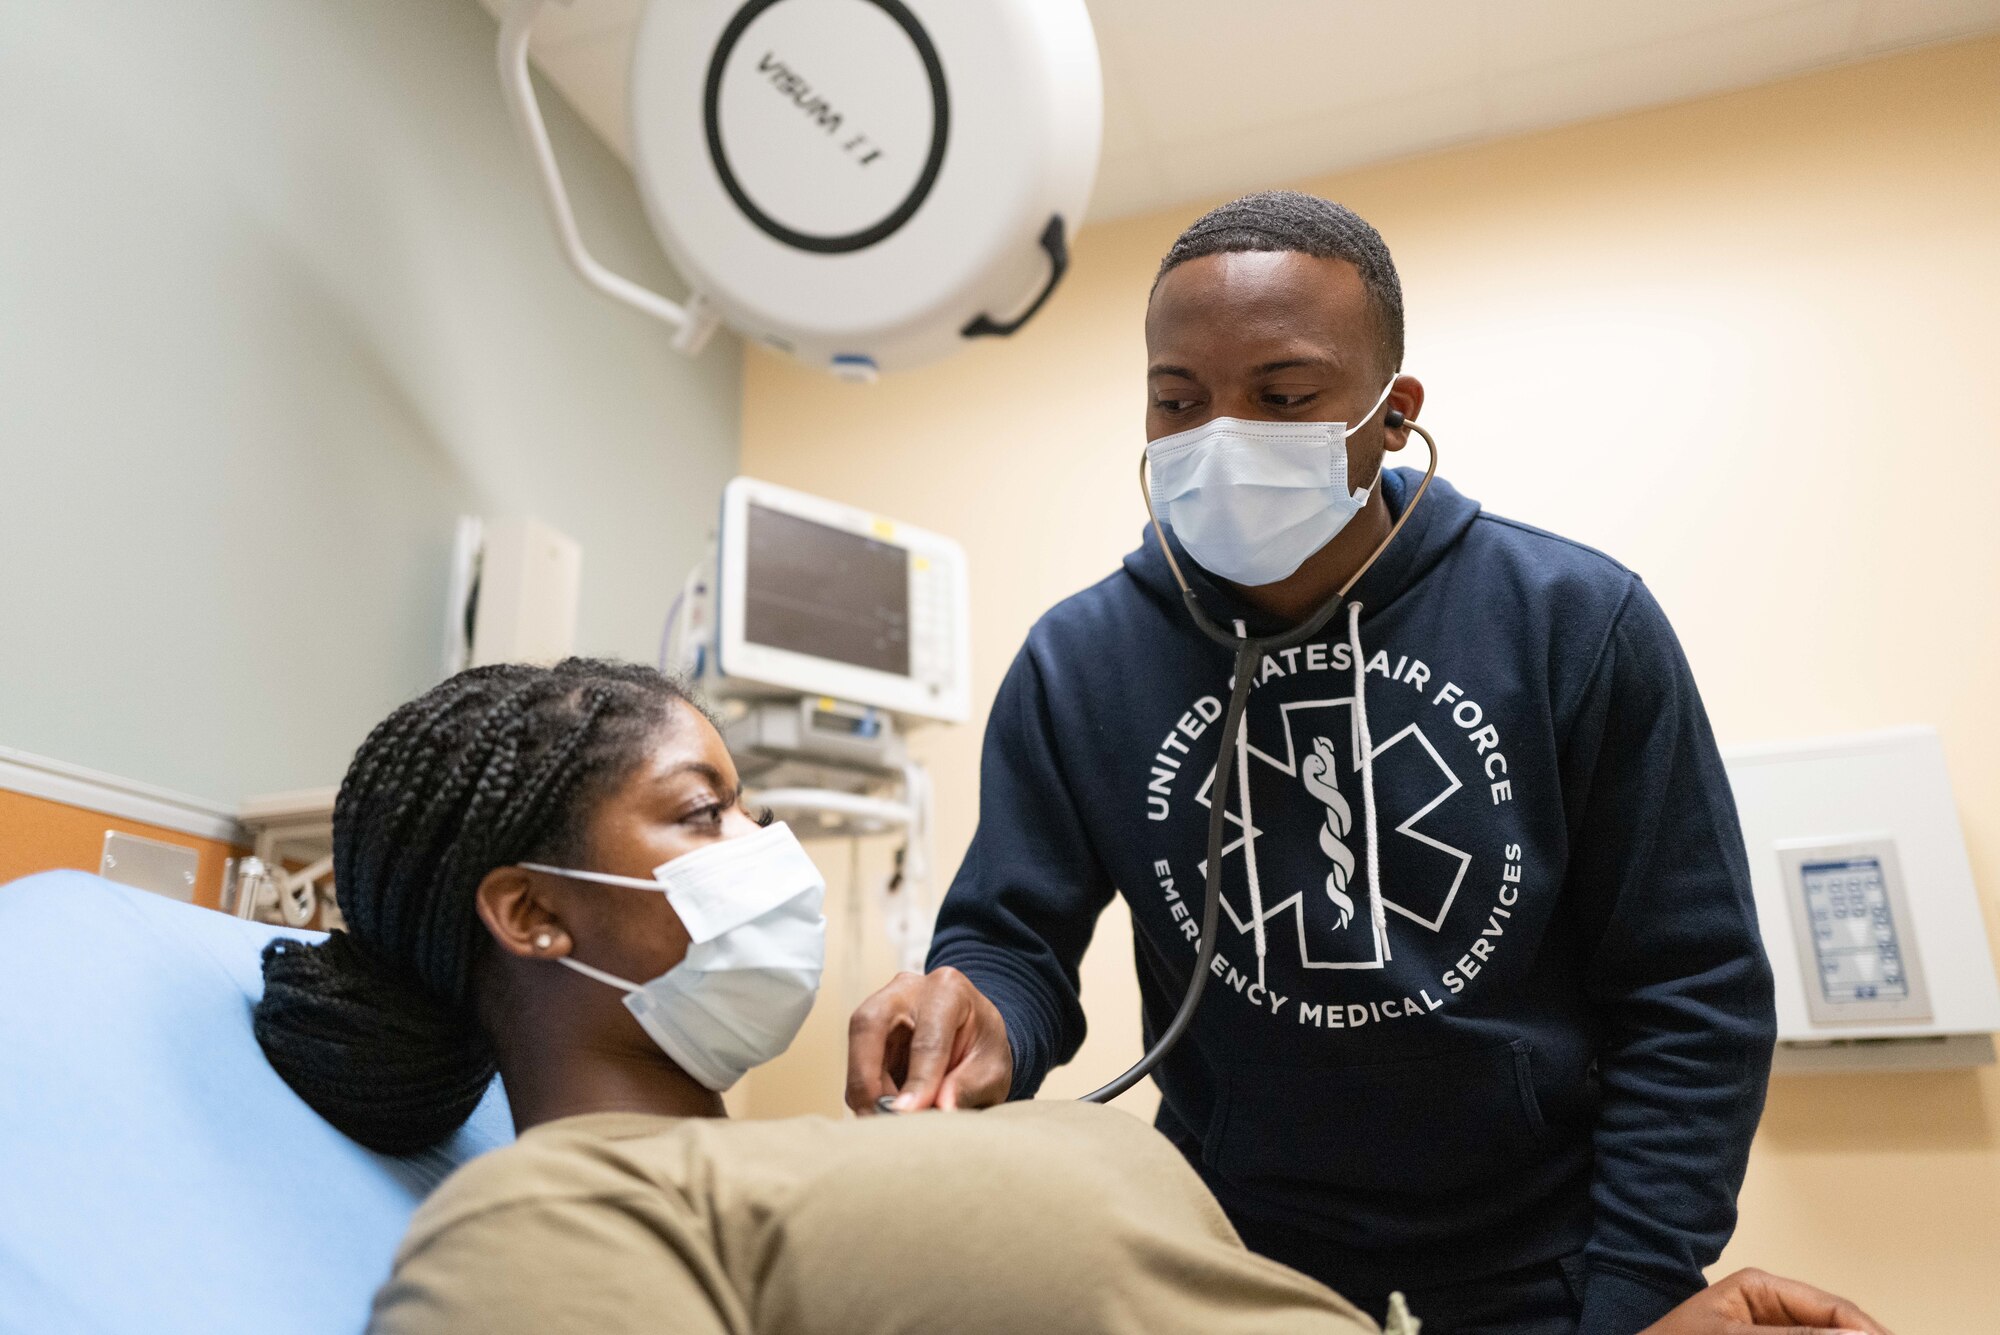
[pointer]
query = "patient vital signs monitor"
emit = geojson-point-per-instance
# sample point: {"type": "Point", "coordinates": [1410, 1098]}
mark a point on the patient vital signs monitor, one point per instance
{"type": "Point", "coordinates": [815, 598]}
{"type": "Point", "coordinates": [824, 632]}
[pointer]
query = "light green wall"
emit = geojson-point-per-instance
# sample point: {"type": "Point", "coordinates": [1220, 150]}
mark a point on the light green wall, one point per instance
{"type": "Point", "coordinates": [277, 302]}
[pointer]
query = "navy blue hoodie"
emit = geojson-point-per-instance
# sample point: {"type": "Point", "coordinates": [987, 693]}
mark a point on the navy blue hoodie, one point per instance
{"type": "Point", "coordinates": [1541, 1027]}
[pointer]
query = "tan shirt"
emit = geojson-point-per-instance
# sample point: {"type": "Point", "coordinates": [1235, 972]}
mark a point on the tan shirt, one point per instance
{"type": "Point", "coordinates": [1033, 1217]}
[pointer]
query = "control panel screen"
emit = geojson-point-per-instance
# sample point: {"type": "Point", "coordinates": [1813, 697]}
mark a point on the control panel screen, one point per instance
{"type": "Point", "coordinates": [810, 588]}
{"type": "Point", "coordinates": [1854, 931]}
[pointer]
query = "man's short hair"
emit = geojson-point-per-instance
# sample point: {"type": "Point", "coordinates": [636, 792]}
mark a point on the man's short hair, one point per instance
{"type": "Point", "coordinates": [1288, 220]}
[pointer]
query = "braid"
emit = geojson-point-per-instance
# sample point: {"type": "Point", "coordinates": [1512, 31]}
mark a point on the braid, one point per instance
{"type": "Point", "coordinates": [558, 769]}
{"type": "Point", "coordinates": [375, 1027]}
{"type": "Point", "coordinates": [327, 1009]}
{"type": "Point", "coordinates": [1288, 220]}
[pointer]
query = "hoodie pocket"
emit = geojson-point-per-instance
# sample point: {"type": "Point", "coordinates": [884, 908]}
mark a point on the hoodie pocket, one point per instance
{"type": "Point", "coordinates": [1416, 1128]}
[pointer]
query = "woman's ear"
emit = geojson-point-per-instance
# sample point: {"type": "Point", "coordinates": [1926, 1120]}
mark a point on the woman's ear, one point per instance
{"type": "Point", "coordinates": [518, 915]}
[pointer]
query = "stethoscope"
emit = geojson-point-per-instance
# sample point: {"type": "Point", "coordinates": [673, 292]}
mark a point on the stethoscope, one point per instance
{"type": "Point", "coordinates": [1249, 651]}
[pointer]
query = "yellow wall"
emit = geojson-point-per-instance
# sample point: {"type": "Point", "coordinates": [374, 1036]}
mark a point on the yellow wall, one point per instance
{"type": "Point", "coordinates": [1748, 346]}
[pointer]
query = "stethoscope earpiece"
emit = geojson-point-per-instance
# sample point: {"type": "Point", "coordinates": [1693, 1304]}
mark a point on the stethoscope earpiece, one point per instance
{"type": "Point", "coordinates": [1392, 419]}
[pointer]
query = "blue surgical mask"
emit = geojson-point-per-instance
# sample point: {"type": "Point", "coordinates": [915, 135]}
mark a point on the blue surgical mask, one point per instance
{"type": "Point", "coordinates": [1252, 500]}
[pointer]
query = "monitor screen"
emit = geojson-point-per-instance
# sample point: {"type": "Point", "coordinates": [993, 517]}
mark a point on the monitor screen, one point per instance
{"type": "Point", "coordinates": [813, 589]}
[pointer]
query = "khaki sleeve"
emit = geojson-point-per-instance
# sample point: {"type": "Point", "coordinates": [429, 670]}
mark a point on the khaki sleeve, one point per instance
{"type": "Point", "coordinates": [601, 1265]}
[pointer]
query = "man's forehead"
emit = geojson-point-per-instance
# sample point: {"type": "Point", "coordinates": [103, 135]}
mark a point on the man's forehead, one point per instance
{"type": "Point", "coordinates": [1263, 298]}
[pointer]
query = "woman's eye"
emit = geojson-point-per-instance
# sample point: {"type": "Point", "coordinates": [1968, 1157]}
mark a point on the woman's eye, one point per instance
{"type": "Point", "coordinates": [1173, 405]}
{"type": "Point", "coordinates": [765, 818]}
{"type": "Point", "coordinates": [711, 814]}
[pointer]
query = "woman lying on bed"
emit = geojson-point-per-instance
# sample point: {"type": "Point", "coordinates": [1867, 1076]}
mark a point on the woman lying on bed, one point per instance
{"type": "Point", "coordinates": [550, 873]}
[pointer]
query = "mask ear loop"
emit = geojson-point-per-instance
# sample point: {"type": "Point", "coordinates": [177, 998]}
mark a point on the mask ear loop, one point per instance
{"type": "Point", "coordinates": [1369, 416]}
{"type": "Point", "coordinates": [1248, 651]}
{"type": "Point", "coordinates": [623, 984]}
{"type": "Point", "coordinates": [598, 877]}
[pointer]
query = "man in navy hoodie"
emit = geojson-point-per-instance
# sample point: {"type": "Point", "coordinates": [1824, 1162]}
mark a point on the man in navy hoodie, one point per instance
{"type": "Point", "coordinates": [1489, 1020]}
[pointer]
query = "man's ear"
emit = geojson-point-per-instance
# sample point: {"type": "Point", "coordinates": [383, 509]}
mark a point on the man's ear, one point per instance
{"type": "Point", "coordinates": [515, 906]}
{"type": "Point", "coordinates": [1407, 398]}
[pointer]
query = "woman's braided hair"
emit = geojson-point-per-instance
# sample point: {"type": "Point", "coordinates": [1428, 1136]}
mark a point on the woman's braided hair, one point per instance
{"type": "Point", "coordinates": [375, 1027]}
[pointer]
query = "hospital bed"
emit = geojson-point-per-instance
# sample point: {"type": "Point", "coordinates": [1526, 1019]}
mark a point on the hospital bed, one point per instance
{"type": "Point", "coordinates": [155, 1175]}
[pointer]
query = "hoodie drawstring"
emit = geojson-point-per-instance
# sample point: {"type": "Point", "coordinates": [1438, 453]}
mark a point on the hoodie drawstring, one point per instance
{"type": "Point", "coordinates": [1377, 922]}
{"type": "Point", "coordinates": [1249, 845]}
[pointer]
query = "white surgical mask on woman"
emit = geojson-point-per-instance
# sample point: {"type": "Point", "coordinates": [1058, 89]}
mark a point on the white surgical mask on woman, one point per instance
{"type": "Point", "coordinates": [1252, 500]}
{"type": "Point", "coordinates": [753, 909]}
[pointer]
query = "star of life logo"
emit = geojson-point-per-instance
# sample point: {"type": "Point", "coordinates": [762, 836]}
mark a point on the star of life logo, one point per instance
{"type": "Point", "coordinates": [1346, 921]}
{"type": "Point", "coordinates": [1336, 859]}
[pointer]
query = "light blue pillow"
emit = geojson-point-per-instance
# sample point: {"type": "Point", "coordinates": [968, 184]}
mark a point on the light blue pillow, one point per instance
{"type": "Point", "coordinates": [155, 1174]}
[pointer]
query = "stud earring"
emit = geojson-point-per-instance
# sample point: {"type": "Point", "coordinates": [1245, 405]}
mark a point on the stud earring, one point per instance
{"type": "Point", "coordinates": [543, 941]}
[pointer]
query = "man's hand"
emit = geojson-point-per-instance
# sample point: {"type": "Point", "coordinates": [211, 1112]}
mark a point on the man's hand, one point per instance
{"type": "Point", "coordinates": [1751, 1300]}
{"type": "Point", "coordinates": [933, 1041]}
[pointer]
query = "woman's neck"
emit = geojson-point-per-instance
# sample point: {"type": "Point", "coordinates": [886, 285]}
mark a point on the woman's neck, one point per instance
{"type": "Point", "coordinates": [555, 1063]}
{"type": "Point", "coordinates": [579, 1081]}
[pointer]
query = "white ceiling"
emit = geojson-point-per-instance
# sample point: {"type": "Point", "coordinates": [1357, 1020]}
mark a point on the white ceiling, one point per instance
{"type": "Point", "coordinates": [1204, 98]}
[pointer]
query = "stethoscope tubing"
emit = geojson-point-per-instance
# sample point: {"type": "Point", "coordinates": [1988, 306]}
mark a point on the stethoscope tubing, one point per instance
{"type": "Point", "coordinates": [1249, 650]}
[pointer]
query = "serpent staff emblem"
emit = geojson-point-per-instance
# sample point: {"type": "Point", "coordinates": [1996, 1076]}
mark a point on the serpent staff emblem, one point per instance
{"type": "Point", "coordinates": [1316, 772]}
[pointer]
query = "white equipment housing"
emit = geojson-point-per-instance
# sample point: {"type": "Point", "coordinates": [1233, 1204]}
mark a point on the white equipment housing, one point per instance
{"type": "Point", "coordinates": [1865, 898]}
{"type": "Point", "coordinates": [515, 589]}
{"type": "Point", "coordinates": [865, 184]}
